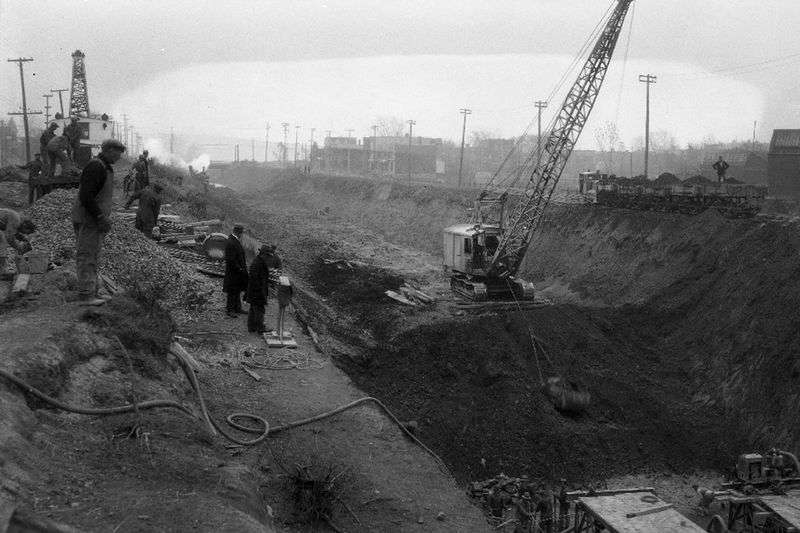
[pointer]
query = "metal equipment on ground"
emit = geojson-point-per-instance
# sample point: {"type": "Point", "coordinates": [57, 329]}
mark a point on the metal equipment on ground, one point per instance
{"type": "Point", "coordinates": [634, 511]}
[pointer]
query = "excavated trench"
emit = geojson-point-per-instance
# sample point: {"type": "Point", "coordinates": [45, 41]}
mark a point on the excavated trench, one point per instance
{"type": "Point", "coordinates": [683, 328]}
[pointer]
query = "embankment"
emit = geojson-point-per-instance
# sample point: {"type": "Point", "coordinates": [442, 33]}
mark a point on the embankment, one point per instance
{"type": "Point", "coordinates": [686, 329]}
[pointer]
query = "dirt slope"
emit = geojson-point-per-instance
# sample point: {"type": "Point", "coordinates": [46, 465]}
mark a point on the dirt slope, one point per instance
{"type": "Point", "coordinates": [703, 326]}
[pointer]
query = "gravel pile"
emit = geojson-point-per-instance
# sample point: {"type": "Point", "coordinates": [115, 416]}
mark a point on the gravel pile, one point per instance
{"type": "Point", "coordinates": [128, 257]}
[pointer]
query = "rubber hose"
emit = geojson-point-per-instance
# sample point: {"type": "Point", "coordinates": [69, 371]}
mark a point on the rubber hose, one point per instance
{"type": "Point", "coordinates": [262, 432]}
{"type": "Point", "coordinates": [150, 404]}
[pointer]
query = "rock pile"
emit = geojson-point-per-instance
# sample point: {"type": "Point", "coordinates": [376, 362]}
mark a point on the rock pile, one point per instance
{"type": "Point", "coordinates": [128, 257]}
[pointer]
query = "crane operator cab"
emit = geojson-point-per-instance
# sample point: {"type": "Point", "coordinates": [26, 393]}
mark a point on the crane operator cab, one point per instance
{"type": "Point", "coordinates": [468, 253]}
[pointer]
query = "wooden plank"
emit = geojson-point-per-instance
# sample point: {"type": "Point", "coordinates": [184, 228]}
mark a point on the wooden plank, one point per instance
{"type": "Point", "coordinates": [274, 341]}
{"type": "Point", "coordinates": [209, 272]}
{"type": "Point", "coordinates": [400, 298]}
{"type": "Point", "coordinates": [252, 374]}
{"type": "Point", "coordinates": [21, 283]}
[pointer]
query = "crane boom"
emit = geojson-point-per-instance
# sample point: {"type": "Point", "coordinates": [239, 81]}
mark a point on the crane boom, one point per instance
{"type": "Point", "coordinates": [527, 215]}
{"type": "Point", "coordinates": [485, 255]}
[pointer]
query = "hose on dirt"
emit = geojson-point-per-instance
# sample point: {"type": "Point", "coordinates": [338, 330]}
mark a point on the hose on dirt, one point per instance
{"type": "Point", "coordinates": [263, 430]}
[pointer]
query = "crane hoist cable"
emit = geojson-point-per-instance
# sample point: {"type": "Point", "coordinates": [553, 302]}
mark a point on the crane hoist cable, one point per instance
{"type": "Point", "coordinates": [514, 175]}
{"type": "Point", "coordinates": [625, 62]}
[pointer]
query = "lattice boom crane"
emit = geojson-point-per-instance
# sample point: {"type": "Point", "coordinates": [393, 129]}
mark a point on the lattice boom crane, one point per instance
{"type": "Point", "coordinates": [485, 255]}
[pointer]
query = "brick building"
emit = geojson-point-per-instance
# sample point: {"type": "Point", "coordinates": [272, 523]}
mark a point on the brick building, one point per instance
{"type": "Point", "coordinates": [783, 164]}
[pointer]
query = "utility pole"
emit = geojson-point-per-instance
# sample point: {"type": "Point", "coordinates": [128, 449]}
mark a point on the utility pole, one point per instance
{"type": "Point", "coordinates": [349, 135]}
{"type": "Point", "coordinates": [25, 113]}
{"type": "Point", "coordinates": [47, 107]}
{"type": "Point", "coordinates": [296, 134]}
{"type": "Point", "coordinates": [285, 146]}
{"type": "Point", "coordinates": [125, 129]}
{"type": "Point", "coordinates": [171, 141]}
{"type": "Point", "coordinates": [649, 80]}
{"type": "Point", "coordinates": [540, 104]}
{"type": "Point", "coordinates": [755, 122]}
{"type": "Point", "coordinates": [410, 133]}
{"type": "Point", "coordinates": [373, 151]}
{"type": "Point", "coordinates": [464, 111]}
{"type": "Point", "coordinates": [253, 150]}
{"type": "Point", "coordinates": [266, 146]}
{"type": "Point", "coordinates": [327, 150]}
{"type": "Point", "coordinates": [311, 150]}
{"type": "Point", "coordinates": [60, 98]}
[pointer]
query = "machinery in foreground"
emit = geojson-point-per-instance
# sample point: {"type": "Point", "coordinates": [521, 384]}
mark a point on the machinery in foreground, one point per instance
{"type": "Point", "coordinates": [485, 254]}
{"type": "Point", "coordinates": [763, 497]}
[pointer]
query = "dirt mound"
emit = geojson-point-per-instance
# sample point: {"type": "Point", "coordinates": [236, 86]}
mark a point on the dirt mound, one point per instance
{"type": "Point", "coordinates": [698, 180]}
{"type": "Point", "coordinates": [473, 386]}
{"type": "Point", "coordinates": [666, 179]}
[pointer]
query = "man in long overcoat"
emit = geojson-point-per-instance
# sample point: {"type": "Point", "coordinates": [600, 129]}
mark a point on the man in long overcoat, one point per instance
{"type": "Point", "coordinates": [235, 281]}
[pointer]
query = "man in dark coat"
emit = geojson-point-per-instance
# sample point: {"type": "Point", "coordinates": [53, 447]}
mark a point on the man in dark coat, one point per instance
{"type": "Point", "coordinates": [235, 281]}
{"type": "Point", "coordinates": [721, 166]}
{"type": "Point", "coordinates": [257, 290]}
{"type": "Point", "coordinates": [46, 137]}
{"type": "Point", "coordinates": [149, 208]}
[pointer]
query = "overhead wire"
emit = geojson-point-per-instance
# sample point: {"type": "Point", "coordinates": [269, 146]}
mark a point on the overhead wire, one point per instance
{"type": "Point", "coordinates": [512, 176]}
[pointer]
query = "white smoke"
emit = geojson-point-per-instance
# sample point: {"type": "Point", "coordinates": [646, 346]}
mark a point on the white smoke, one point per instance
{"type": "Point", "coordinates": [157, 150]}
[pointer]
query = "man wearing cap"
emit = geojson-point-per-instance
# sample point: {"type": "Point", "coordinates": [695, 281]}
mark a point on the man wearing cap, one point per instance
{"type": "Point", "coordinates": [257, 289]}
{"type": "Point", "coordinates": [47, 135]}
{"type": "Point", "coordinates": [235, 280]}
{"type": "Point", "coordinates": [57, 153]}
{"type": "Point", "coordinates": [72, 132]}
{"type": "Point", "coordinates": [149, 207]}
{"type": "Point", "coordinates": [142, 172]}
{"type": "Point", "coordinates": [91, 217]}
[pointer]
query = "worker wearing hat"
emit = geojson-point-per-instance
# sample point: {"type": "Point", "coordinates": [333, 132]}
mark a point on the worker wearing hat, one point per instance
{"type": "Point", "coordinates": [72, 131]}
{"type": "Point", "coordinates": [91, 217]}
{"type": "Point", "coordinates": [45, 138]}
{"type": "Point", "coordinates": [149, 207]}
{"type": "Point", "coordinates": [258, 289]}
{"type": "Point", "coordinates": [235, 280]}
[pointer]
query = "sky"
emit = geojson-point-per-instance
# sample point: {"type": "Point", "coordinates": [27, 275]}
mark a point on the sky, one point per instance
{"type": "Point", "coordinates": [217, 72]}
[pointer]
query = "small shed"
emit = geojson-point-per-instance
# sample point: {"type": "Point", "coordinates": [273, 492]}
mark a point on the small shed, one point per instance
{"type": "Point", "coordinates": [783, 164]}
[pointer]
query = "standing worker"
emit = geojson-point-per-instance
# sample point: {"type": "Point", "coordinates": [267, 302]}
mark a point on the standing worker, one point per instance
{"type": "Point", "coordinates": [57, 154]}
{"type": "Point", "coordinates": [13, 229]}
{"type": "Point", "coordinates": [141, 172]}
{"type": "Point", "coordinates": [285, 292]}
{"type": "Point", "coordinates": [91, 218]}
{"type": "Point", "coordinates": [258, 290]}
{"type": "Point", "coordinates": [721, 166]}
{"type": "Point", "coordinates": [235, 280]}
{"type": "Point", "coordinates": [148, 209]}
{"type": "Point", "coordinates": [73, 133]}
{"type": "Point", "coordinates": [34, 167]}
{"type": "Point", "coordinates": [47, 135]}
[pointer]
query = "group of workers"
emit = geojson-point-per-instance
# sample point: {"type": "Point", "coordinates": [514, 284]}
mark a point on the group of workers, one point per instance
{"type": "Point", "coordinates": [254, 282]}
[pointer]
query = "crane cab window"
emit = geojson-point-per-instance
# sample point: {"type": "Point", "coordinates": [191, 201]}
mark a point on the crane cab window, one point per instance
{"type": "Point", "coordinates": [467, 245]}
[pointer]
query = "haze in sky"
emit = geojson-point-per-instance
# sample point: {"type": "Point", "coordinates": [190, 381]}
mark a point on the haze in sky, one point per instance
{"type": "Point", "coordinates": [227, 68]}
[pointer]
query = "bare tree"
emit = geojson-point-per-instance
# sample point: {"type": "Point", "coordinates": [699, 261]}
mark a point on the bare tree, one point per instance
{"type": "Point", "coordinates": [607, 138]}
{"type": "Point", "coordinates": [389, 126]}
